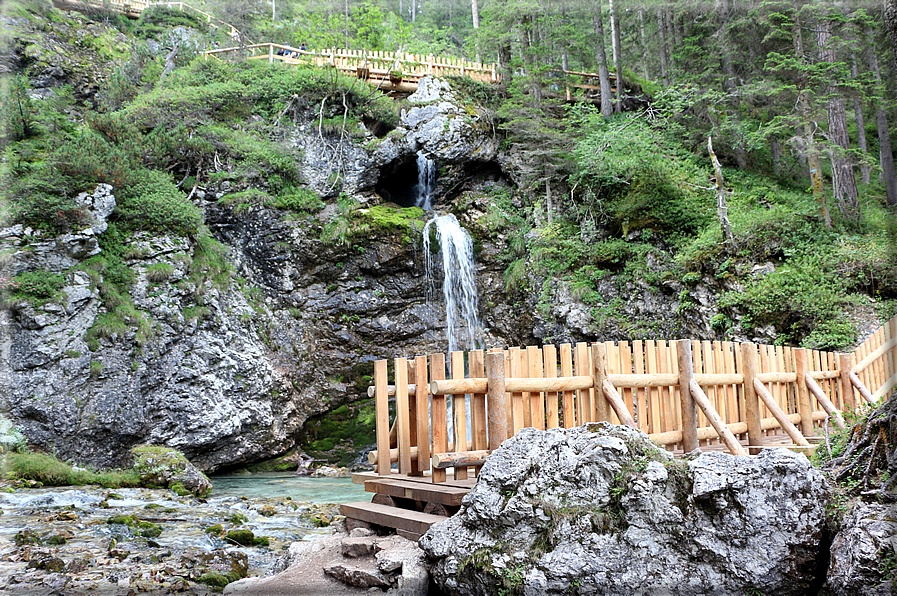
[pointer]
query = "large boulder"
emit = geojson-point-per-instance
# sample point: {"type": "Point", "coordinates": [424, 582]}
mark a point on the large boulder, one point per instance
{"type": "Point", "coordinates": [447, 128]}
{"type": "Point", "coordinates": [601, 510]}
{"type": "Point", "coordinates": [163, 466]}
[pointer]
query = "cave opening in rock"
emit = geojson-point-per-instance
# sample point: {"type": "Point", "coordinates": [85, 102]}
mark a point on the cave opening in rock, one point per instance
{"type": "Point", "coordinates": [408, 182]}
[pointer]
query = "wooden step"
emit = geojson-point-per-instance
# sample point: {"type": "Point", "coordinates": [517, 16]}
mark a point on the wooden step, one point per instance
{"type": "Point", "coordinates": [412, 522]}
{"type": "Point", "coordinates": [419, 491]}
{"type": "Point", "coordinates": [362, 477]}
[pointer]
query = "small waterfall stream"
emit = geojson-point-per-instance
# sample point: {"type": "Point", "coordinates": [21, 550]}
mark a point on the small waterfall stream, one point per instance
{"type": "Point", "coordinates": [426, 182]}
{"type": "Point", "coordinates": [459, 290]}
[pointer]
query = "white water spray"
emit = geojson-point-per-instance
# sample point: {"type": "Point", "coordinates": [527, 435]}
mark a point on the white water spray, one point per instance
{"type": "Point", "coordinates": [462, 323]}
{"type": "Point", "coordinates": [426, 182]}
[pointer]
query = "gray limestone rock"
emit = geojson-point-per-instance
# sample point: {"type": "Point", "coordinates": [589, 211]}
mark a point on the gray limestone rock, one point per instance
{"type": "Point", "coordinates": [445, 129]}
{"type": "Point", "coordinates": [861, 551]}
{"type": "Point", "coordinates": [601, 510]}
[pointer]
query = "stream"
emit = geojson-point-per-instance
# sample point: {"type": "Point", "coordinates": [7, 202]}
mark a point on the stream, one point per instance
{"type": "Point", "coordinates": [59, 540]}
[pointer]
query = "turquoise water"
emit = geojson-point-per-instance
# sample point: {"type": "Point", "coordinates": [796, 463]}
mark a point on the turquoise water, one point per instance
{"type": "Point", "coordinates": [279, 484]}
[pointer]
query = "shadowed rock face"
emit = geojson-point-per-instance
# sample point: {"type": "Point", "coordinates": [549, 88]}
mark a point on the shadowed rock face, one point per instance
{"type": "Point", "coordinates": [601, 510]}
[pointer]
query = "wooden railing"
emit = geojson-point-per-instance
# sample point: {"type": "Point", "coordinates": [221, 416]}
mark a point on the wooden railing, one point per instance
{"type": "Point", "coordinates": [133, 8]}
{"type": "Point", "coordinates": [683, 394]}
{"type": "Point", "coordinates": [396, 67]}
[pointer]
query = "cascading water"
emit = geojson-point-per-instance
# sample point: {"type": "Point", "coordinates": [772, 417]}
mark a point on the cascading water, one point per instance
{"type": "Point", "coordinates": [426, 182]}
{"type": "Point", "coordinates": [462, 323]}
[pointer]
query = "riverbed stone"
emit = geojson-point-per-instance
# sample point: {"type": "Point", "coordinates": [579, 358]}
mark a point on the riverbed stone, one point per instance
{"type": "Point", "coordinates": [587, 511]}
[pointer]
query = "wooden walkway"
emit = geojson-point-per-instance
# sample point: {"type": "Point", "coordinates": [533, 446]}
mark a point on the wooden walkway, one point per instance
{"type": "Point", "coordinates": [685, 395]}
{"type": "Point", "coordinates": [389, 71]}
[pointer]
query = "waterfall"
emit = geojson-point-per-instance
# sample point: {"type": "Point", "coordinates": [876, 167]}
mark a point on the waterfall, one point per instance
{"type": "Point", "coordinates": [459, 290]}
{"type": "Point", "coordinates": [426, 182]}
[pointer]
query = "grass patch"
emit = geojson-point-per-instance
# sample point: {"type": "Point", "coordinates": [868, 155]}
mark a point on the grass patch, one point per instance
{"type": "Point", "coordinates": [50, 471]}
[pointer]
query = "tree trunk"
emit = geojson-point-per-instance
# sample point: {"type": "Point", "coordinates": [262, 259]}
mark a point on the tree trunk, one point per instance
{"type": "Point", "coordinates": [641, 30]}
{"type": "Point", "coordinates": [890, 17]}
{"type": "Point", "coordinates": [865, 170]}
{"type": "Point", "coordinates": [607, 106]}
{"type": "Point", "coordinates": [504, 64]}
{"type": "Point", "coordinates": [618, 59]}
{"type": "Point", "coordinates": [722, 12]}
{"type": "Point", "coordinates": [775, 150]}
{"type": "Point", "coordinates": [661, 35]}
{"type": "Point", "coordinates": [722, 207]}
{"type": "Point", "coordinates": [803, 107]}
{"type": "Point", "coordinates": [844, 184]}
{"type": "Point", "coordinates": [526, 25]}
{"type": "Point", "coordinates": [886, 155]}
{"type": "Point", "coordinates": [475, 10]}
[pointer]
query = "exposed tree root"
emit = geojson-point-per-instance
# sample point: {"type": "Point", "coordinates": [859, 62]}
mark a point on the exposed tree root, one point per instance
{"type": "Point", "coordinates": [868, 464]}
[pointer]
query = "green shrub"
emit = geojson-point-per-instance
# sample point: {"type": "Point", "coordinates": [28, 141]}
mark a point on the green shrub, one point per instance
{"type": "Point", "coordinates": [37, 287]}
{"type": "Point", "coordinates": [300, 200]}
{"type": "Point", "coordinates": [159, 272]}
{"type": "Point", "coordinates": [50, 213]}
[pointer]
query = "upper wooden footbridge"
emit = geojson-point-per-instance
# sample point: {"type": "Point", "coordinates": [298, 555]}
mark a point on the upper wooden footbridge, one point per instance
{"type": "Point", "coordinates": [685, 395]}
{"type": "Point", "coordinates": [388, 71]}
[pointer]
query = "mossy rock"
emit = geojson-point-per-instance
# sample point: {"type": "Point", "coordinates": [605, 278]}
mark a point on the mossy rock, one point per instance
{"type": "Point", "coordinates": [27, 536]}
{"type": "Point", "coordinates": [247, 538]}
{"type": "Point", "coordinates": [217, 530]}
{"type": "Point", "coordinates": [158, 465]}
{"type": "Point", "coordinates": [140, 527]}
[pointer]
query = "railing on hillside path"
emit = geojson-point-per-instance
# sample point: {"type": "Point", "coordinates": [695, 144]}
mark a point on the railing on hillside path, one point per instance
{"type": "Point", "coordinates": [682, 394]}
{"type": "Point", "coordinates": [133, 8]}
{"type": "Point", "coordinates": [392, 68]}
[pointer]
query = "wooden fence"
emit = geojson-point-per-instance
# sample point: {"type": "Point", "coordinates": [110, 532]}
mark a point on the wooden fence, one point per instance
{"type": "Point", "coordinates": [683, 394]}
{"type": "Point", "coordinates": [392, 67]}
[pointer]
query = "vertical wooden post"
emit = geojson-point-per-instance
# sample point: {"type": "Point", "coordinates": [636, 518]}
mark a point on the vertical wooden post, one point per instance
{"type": "Point", "coordinates": [583, 368]}
{"type": "Point", "coordinates": [599, 375]}
{"type": "Point", "coordinates": [848, 398]}
{"type": "Point", "coordinates": [687, 402]}
{"type": "Point", "coordinates": [421, 402]}
{"type": "Point", "coordinates": [403, 436]}
{"type": "Point", "coordinates": [438, 414]}
{"type": "Point", "coordinates": [270, 53]}
{"type": "Point", "coordinates": [569, 409]}
{"type": "Point", "coordinates": [517, 403]}
{"type": "Point", "coordinates": [804, 403]}
{"type": "Point", "coordinates": [478, 402]}
{"type": "Point", "coordinates": [549, 353]}
{"type": "Point", "coordinates": [751, 401]}
{"type": "Point", "coordinates": [459, 414]}
{"type": "Point", "coordinates": [536, 398]}
{"type": "Point", "coordinates": [381, 412]}
{"type": "Point", "coordinates": [495, 398]}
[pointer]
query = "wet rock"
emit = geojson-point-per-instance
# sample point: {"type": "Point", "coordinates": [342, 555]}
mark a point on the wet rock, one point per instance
{"type": "Point", "coordinates": [330, 472]}
{"type": "Point", "coordinates": [601, 510]}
